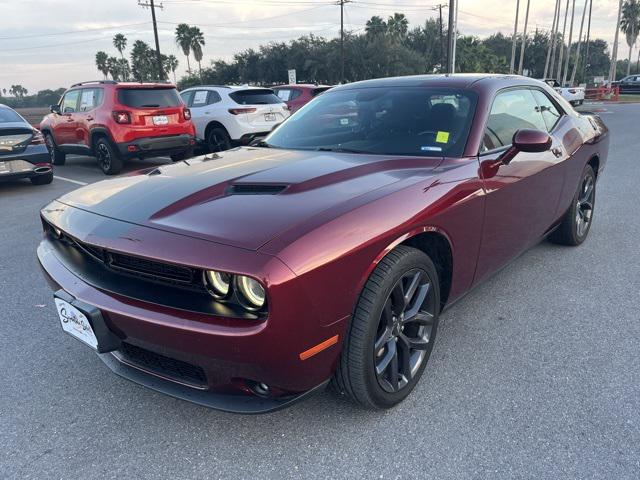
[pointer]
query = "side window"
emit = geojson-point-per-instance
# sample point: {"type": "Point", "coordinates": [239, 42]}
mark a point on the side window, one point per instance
{"type": "Point", "coordinates": [295, 94]}
{"type": "Point", "coordinates": [199, 98]}
{"type": "Point", "coordinates": [511, 111]}
{"type": "Point", "coordinates": [90, 99]}
{"type": "Point", "coordinates": [186, 97]}
{"type": "Point", "coordinates": [284, 94]}
{"type": "Point", "coordinates": [214, 97]}
{"type": "Point", "coordinates": [70, 101]}
{"type": "Point", "coordinates": [550, 112]}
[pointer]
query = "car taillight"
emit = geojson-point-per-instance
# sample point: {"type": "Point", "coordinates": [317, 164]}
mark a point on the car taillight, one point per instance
{"type": "Point", "coordinates": [187, 114]}
{"type": "Point", "coordinates": [122, 117]}
{"type": "Point", "coordinates": [238, 111]}
{"type": "Point", "coordinates": [38, 138]}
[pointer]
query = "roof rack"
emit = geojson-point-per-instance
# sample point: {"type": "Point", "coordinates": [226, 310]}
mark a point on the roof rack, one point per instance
{"type": "Point", "coordinates": [108, 82]}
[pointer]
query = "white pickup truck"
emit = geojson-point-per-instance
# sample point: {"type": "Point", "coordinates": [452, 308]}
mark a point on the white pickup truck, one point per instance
{"type": "Point", "coordinates": [573, 95]}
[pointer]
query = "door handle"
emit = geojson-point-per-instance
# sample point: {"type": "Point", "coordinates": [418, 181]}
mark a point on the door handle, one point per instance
{"type": "Point", "coordinates": [89, 119]}
{"type": "Point", "coordinates": [557, 151]}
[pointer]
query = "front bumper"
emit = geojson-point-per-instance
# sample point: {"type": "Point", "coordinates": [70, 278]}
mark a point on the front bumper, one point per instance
{"type": "Point", "coordinates": [156, 146]}
{"type": "Point", "coordinates": [232, 354]}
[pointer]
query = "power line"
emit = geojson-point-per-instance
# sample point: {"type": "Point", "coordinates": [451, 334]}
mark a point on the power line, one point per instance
{"type": "Point", "coordinates": [73, 32]}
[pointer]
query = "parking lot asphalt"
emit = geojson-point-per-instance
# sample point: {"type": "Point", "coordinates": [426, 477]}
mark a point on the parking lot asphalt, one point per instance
{"type": "Point", "coordinates": [535, 374]}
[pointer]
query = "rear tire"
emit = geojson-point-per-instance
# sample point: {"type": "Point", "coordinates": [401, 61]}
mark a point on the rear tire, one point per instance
{"type": "Point", "coordinates": [57, 157]}
{"type": "Point", "coordinates": [108, 159]}
{"type": "Point", "coordinates": [390, 338]}
{"type": "Point", "coordinates": [218, 140]}
{"type": "Point", "coordinates": [45, 179]}
{"type": "Point", "coordinates": [576, 222]}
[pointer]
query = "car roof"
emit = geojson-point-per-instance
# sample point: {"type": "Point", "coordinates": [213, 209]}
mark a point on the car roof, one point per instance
{"type": "Point", "coordinates": [227, 87]}
{"type": "Point", "coordinates": [301, 85]}
{"type": "Point", "coordinates": [456, 80]}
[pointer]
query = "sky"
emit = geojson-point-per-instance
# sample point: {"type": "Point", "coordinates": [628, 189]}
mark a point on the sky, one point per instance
{"type": "Point", "coordinates": [52, 43]}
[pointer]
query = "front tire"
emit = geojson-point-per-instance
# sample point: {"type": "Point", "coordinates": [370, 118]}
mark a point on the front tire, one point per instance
{"type": "Point", "coordinates": [108, 159]}
{"type": "Point", "coordinates": [57, 157]}
{"type": "Point", "coordinates": [576, 222]}
{"type": "Point", "coordinates": [392, 331]}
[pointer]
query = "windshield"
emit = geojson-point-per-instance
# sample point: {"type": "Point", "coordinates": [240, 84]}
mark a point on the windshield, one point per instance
{"type": "Point", "coordinates": [385, 121]}
{"type": "Point", "coordinates": [149, 97]}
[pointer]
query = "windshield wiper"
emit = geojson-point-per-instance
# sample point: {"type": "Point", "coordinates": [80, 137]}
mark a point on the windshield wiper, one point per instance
{"type": "Point", "coordinates": [339, 150]}
{"type": "Point", "coordinates": [150, 105]}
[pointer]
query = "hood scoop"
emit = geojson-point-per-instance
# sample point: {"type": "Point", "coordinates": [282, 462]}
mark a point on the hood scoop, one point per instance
{"type": "Point", "coordinates": [254, 189]}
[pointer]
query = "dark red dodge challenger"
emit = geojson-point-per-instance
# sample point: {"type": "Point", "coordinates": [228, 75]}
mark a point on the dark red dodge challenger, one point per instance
{"type": "Point", "coordinates": [247, 280]}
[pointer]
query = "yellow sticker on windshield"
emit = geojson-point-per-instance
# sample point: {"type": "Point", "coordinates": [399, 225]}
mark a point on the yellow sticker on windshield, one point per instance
{"type": "Point", "coordinates": [442, 137]}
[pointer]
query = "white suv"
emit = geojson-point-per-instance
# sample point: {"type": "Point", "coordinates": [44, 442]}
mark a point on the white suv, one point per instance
{"type": "Point", "coordinates": [226, 116]}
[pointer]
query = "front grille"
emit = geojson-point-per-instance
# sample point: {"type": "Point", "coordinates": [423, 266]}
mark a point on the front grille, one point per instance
{"type": "Point", "coordinates": [159, 272]}
{"type": "Point", "coordinates": [142, 266]}
{"type": "Point", "coordinates": [167, 367]}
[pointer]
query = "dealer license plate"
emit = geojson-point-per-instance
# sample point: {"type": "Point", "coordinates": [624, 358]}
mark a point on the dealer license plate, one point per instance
{"type": "Point", "coordinates": [75, 323]}
{"type": "Point", "coordinates": [160, 120]}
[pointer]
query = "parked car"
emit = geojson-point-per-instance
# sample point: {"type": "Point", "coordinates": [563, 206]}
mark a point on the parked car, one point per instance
{"type": "Point", "coordinates": [573, 95]}
{"type": "Point", "coordinates": [228, 116]}
{"type": "Point", "coordinates": [298, 95]}
{"type": "Point", "coordinates": [328, 252]}
{"type": "Point", "coordinates": [629, 84]}
{"type": "Point", "coordinates": [23, 153]}
{"type": "Point", "coordinates": [115, 121]}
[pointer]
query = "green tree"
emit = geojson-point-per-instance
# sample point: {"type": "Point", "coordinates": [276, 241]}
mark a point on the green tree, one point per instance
{"type": "Point", "coordinates": [398, 25]}
{"type": "Point", "coordinates": [197, 42]}
{"type": "Point", "coordinates": [630, 25]}
{"type": "Point", "coordinates": [183, 40]}
{"type": "Point", "coordinates": [376, 26]}
{"type": "Point", "coordinates": [113, 68]}
{"type": "Point", "coordinates": [143, 67]}
{"type": "Point", "coordinates": [124, 69]}
{"type": "Point", "coordinates": [101, 63]}
{"type": "Point", "coordinates": [18, 91]}
{"type": "Point", "coordinates": [120, 42]}
{"type": "Point", "coordinates": [171, 65]}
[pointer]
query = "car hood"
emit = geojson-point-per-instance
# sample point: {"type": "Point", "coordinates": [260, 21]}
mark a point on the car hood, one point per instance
{"type": "Point", "coordinates": [244, 197]}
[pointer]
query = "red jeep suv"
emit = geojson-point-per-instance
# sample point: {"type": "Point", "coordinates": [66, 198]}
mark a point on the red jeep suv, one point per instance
{"type": "Point", "coordinates": [115, 121]}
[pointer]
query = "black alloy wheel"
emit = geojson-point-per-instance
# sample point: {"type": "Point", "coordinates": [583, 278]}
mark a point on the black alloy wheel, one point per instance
{"type": "Point", "coordinates": [404, 331]}
{"type": "Point", "coordinates": [108, 160]}
{"type": "Point", "coordinates": [391, 334]}
{"type": "Point", "coordinates": [576, 222]}
{"type": "Point", "coordinates": [218, 140]}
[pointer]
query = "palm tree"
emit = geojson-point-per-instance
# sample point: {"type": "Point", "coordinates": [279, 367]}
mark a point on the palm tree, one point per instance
{"type": "Point", "coordinates": [113, 68]}
{"type": "Point", "coordinates": [376, 26]}
{"type": "Point", "coordinates": [120, 42]}
{"type": "Point", "coordinates": [197, 42]}
{"type": "Point", "coordinates": [101, 63]}
{"type": "Point", "coordinates": [183, 40]}
{"type": "Point", "coordinates": [124, 69]}
{"type": "Point", "coordinates": [172, 65]}
{"type": "Point", "coordinates": [630, 25]}
{"type": "Point", "coordinates": [398, 25]}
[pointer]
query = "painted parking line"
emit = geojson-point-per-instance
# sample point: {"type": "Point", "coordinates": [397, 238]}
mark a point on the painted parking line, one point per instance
{"type": "Point", "coordinates": [77, 182]}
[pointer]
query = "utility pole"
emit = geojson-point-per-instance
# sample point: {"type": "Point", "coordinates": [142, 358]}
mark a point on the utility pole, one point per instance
{"type": "Point", "coordinates": [586, 53]}
{"type": "Point", "coordinates": [150, 4]}
{"type": "Point", "coordinates": [450, 34]}
{"type": "Point", "coordinates": [341, 3]}
{"type": "Point", "coordinates": [524, 39]}
{"type": "Point", "coordinates": [575, 63]}
{"type": "Point", "coordinates": [455, 38]}
{"type": "Point", "coordinates": [552, 39]}
{"type": "Point", "coordinates": [441, 39]}
{"type": "Point", "coordinates": [514, 40]}
{"type": "Point", "coordinates": [614, 52]}
{"type": "Point", "coordinates": [564, 29]}
{"type": "Point", "coordinates": [565, 72]}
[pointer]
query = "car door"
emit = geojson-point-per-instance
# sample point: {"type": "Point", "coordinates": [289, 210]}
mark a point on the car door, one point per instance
{"type": "Point", "coordinates": [90, 99]}
{"type": "Point", "coordinates": [65, 130]}
{"type": "Point", "coordinates": [521, 196]}
{"type": "Point", "coordinates": [203, 108]}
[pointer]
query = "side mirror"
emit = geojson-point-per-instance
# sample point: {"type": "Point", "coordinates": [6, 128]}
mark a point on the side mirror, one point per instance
{"type": "Point", "coordinates": [529, 140]}
{"type": "Point", "coordinates": [55, 109]}
{"type": "Point", "coordinates": [526, 140]}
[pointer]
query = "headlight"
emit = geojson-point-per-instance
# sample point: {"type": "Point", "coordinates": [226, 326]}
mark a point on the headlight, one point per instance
{"type": "Point", "coordinates": [252, 292]}
{"type": "Point", "coordinates": [218, 283]}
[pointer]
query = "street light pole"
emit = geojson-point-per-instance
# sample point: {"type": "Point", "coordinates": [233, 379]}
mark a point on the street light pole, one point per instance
{"type": "Point", "coordinates": [514, 40]}
{"type": "Point", "coordinates": [524, 39]}
{"type": "Point", "coordinates": [450, 36]}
